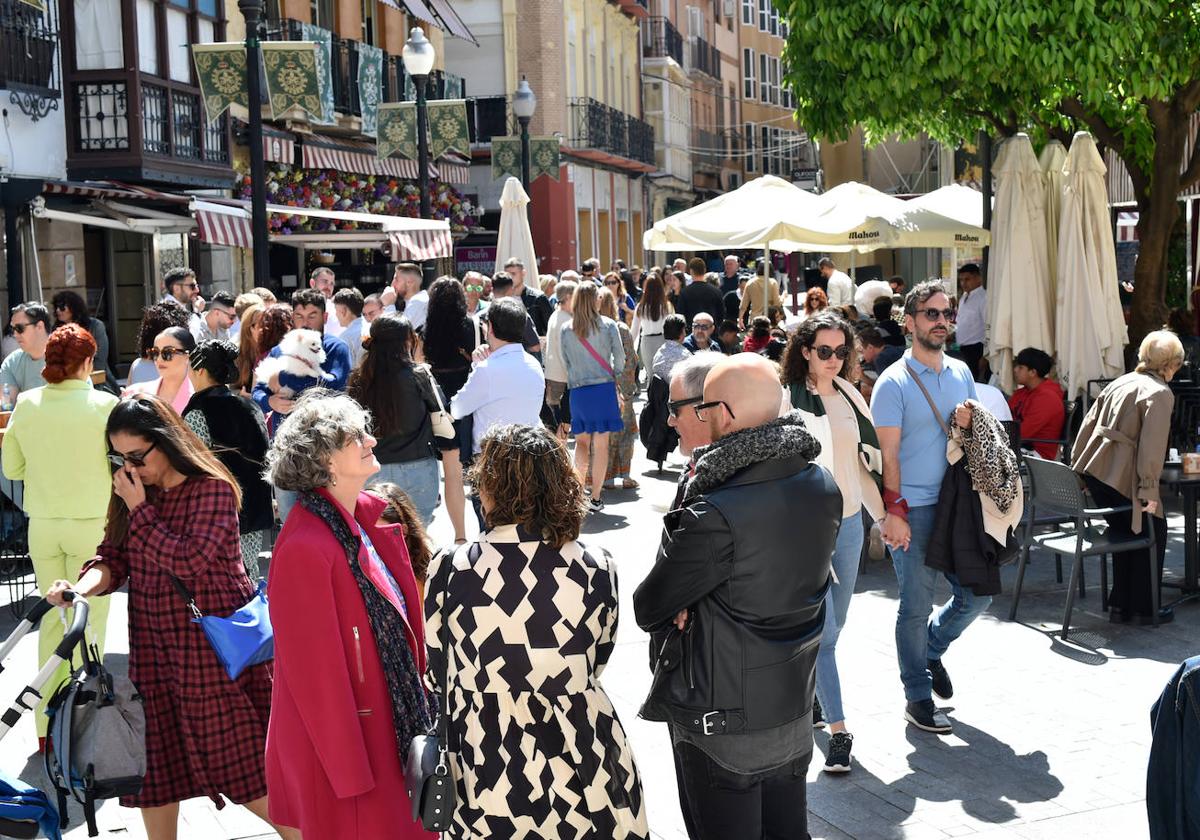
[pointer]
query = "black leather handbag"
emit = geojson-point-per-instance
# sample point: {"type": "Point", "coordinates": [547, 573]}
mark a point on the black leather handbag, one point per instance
{"type": "Point", "coordinates": [427, 773]}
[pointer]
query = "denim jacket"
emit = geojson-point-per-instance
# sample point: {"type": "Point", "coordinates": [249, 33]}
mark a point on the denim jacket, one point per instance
{"type": "Point", "coordinates": [1173, 777]}
{"type": "Point", "coordinates": [582, 367]}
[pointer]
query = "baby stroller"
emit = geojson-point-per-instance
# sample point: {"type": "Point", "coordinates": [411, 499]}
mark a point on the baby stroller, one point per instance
{"type": "Point", "coordinates": [95, 746]}
{"type": "Point", "coordinates": [25, 811]}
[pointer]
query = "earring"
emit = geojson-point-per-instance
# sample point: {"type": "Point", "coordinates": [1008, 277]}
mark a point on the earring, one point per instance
{"type": "Point", "coordinates": [333, 480]}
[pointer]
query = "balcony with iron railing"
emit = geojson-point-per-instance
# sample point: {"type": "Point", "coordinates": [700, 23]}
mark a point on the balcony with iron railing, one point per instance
{"type": "Point", "coordinates": [488, 117]}
{"type": "Point", "coordinates": [708, 149]}
{"type": "Point", "coordinates": [660, 39]}
{"type": "Point", "coordinates": [28, 69]}
{"type": "Point", "coordinates": [594, 125]}
{"type": "Point", "coordinates": [703, 58]}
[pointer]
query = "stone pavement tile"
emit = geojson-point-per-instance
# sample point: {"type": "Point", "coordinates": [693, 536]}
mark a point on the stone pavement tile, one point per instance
{"type": "Point", "coordinates": [1123, 821]}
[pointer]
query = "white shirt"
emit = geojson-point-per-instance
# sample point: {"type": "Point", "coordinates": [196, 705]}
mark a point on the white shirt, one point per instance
{"type": "Point", "coordinates": [506, 387]}
{"type": "Point", "coordinates": [333, 326]}
{"type": "Point", "coordinates": [415, 309]}
{"type": "Point", "coordinates": [840, 289]}
{"type": "Point", "coordinates": [970, 324]}
{"type": "Point", "coordinates": [556, 367]}
{"type": "Point", "coordinates": [993, 400]}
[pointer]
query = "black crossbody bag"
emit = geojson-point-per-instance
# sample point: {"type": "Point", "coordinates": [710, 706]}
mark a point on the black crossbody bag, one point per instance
{"type": "Point", "coordinates": [427, 773]}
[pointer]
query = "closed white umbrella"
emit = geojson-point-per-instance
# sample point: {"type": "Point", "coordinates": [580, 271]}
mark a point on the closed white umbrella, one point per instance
{"type": "Point", "coordinates": [1052, 159]}
{"type": "Point", "coordinates": [515, 238]}
{"type": "Point", "coordinates": [1091, 327]}
{"type": "Point", "coordinates": [1019, 303]}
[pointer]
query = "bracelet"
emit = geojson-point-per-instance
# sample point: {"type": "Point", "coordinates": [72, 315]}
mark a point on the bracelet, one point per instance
{"type": "Point", "coordinates": [895, 504]}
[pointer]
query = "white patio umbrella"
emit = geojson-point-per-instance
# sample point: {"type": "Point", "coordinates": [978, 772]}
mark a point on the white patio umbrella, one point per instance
{"type": "Point", "coordinates": [1052, 159]}
{"type": "Point", "coordinates": [956, 201]}
{"type": "Point", "coordinates": [515, 238]}
{"type": "Point", "coordinates": [1019, 303]}
{"type": "Point", "coordinates": [1091, 327]}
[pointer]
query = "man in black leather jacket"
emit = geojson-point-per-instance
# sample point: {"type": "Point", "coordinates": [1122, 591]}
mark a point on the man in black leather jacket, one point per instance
{"type": "Point", "coordinates": [735, 605]}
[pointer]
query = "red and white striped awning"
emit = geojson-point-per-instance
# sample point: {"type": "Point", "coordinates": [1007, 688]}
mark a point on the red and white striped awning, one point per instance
{"type": "Point", "coordinates": [219, 224]}
{"type": "Point", "coordinates": [417, 245]}
{"type": "Point", "coordinates": [279, 149]}
{"type": "Point", "coordinates": [108, 189]}
{"type": "Point", "coordinates": [353, 156]}
{"type": "Point", "coordinates": [1127, 227]}
{"type": "Point", "coordinates": [454, 173]}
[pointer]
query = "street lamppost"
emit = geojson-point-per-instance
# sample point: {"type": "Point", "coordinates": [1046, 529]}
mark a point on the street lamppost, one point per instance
{"type": "Point", "coordinates": [252, 12]}
{"type": "Point", "coordinates": [418, 55]}
{"type": "Point", "coordinates": [523, 105]}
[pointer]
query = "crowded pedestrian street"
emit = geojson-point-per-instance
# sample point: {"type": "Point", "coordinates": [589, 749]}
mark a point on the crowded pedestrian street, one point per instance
{"type": "Point", "coordinates": [1050, 737]}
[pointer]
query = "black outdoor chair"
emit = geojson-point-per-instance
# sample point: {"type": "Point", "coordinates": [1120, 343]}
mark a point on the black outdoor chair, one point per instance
{"type": "Point", "coordinates": [1072, 419]}
{"type": "Point", "coordinates": [1055, 489]}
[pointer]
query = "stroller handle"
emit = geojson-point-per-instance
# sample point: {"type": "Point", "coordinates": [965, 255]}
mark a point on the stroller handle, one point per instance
{"type": "Point", "coordinates": [79, 620]}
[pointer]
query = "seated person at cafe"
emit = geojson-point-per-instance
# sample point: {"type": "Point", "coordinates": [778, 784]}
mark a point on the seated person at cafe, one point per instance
{"type": "Point", "coordinates": [1037, 405]}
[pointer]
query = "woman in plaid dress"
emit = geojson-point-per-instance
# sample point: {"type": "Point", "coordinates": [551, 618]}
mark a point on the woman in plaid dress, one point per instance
{"type": "Point", "coordinates": [174, 511]}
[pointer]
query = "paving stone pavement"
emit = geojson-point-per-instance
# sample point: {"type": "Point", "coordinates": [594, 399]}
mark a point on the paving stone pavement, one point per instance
{"type": "Point", "coordinates": [1050, 741]}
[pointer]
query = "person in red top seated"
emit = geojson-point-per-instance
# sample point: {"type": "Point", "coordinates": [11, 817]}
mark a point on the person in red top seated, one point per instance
{"type": "Point", "coordinates": [1038, 404]}
{"type": "Point", "coordinates": [760, 335]}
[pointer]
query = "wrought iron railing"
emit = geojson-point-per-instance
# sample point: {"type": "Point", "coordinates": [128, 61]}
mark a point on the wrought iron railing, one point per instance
{"type": "Point", "coordinates": [641, 140]}
{"type": "Point", "coordinates": [102, 113]}
{"type": "Point", "coordinates": [488, 117]}
{"type": "Point", "coordinates": [660, 39]}
{"type": "Point", "coordinates": [595, 125]}
{"type": "Point", "coordinates": [708, 148]}
{"type": "Point", "coordinates": [156, 137]}
{"type": "Point", "coordinates": [28, 66]}
{"type": "Point", "coordinates": [704, 57]}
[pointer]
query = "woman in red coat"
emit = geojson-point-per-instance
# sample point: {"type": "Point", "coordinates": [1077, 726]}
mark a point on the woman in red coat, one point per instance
{"type": "Point", "coordinates": [349, 636]}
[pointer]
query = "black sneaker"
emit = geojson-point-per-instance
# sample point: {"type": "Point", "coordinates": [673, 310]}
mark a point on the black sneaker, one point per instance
{"type": "Point", "coordinates": [942, 686]}
{"type": "Point", "coordinates": [595, 505]}
{"type": "Point", "coordinates": [818, 714]}
{"type": "Point", "coordinates": [925, 715]}
{"type": "Point", "coordinates": [838, 760]}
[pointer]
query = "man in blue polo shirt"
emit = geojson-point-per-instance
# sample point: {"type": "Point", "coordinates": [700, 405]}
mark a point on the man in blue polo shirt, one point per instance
{"type": "Point", "coordinates": [913, 441]}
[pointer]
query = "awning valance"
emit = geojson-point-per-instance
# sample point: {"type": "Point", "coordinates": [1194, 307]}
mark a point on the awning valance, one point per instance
{"type": "Point", "coordinates": [353, 156]}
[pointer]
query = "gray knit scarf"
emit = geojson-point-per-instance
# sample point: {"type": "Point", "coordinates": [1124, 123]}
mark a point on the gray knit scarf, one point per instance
{"type": "Point", "coordinates": [782, 438]}
{"type": "Point", "coordinates": [411, 709]}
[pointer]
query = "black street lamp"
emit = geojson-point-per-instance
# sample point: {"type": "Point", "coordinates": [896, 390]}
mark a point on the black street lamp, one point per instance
{"type": "Point", "coordinates": [523, 105]}
{"type": "Point", "coordinates": [418, 55]}
{"type": "Point", "coordinates": [252, 12]}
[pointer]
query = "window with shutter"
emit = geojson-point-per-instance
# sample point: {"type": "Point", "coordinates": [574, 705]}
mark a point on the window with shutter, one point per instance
{"type": "Point", "coordinates": [750, 146]}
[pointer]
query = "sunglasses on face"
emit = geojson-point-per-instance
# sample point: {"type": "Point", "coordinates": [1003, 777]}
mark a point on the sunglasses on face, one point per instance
{"type": "Point", "coordinates": [612, 282]}
{"type": "Point", "coordinates": [132, 459]}
{"type": "Point", "coordinates": [675, 406]}
{"type": "Point", "coordinates": [702, 407]}
{"type": "Point", "coordinates": [167, 353]}
{"type": "Point", "coordinates": [20, 328]}
{"type": "Point", "coordinates": [933, 314]}
{"type": "Point", "coordinates": [825, 352]}
{"type": "Point", "coordinates": [475, 289]}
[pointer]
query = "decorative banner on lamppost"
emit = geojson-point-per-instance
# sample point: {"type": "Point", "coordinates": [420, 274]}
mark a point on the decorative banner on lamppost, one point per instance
{"type": "Point", "coordinates": [292, 76]}
{"type": "Point", "coordinates": [397, 130]}
{"type": "Point", "coordinates": [324, 40]}
{"type": "Point", "coordinates": [40, 5]}
{"type": "Point", "coordinates": [370, 85]}
{"type": "Point", "coordinates": [544, 157]}
{"type": "Point", "coordinates": [506, 157]}
{"type": "Point", "coordinates": [221, 71]}
{"type": "Point", "coordinates": [448, 127]}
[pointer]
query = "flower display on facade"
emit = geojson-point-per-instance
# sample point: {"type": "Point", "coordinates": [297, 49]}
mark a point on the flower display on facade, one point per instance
{"type": "Point", "coordinates": [329, 189]}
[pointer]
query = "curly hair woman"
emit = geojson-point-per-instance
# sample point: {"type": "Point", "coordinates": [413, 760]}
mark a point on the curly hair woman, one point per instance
{"type": "Point", "coordinates": [554, 624]}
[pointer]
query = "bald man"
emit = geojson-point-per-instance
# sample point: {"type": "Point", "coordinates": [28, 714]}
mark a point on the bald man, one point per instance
{"type": "Point", "coordinates": [738, 692]}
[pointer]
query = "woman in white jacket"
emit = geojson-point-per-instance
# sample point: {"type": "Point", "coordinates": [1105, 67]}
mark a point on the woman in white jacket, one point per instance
{"type": "Point", "coordinates": [652, 310]}
{"type": "Point", "coordinates": [815, 368]}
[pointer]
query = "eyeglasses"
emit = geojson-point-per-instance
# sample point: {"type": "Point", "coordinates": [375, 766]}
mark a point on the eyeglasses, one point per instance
{"type": "Point", "coordinates": [825, 352]}
{"type": "Point", "coordinates": [674, 407]}
{"type": "Point", "coordinates": [706, 406]}
{"type": "Point", "coordinates": [59, 307]}
{"type": "Point", "coordinates": [167, 353]}
{"type": "Point", "coordinates": [612, 282]}
{"type": "Point", "coordinates": [132, 459]}
{"type": "Point", "coordinates": [20, 328]}
{"type": "Point", "coordinates": [702, 327]}
{"type": "Point", "coordinates": [933, 314]}
{"type": "Point", "coordinates": [476, 289]}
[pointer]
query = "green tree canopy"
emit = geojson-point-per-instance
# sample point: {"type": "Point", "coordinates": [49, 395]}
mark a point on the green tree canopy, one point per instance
{"type": "Point", "coordinates": [1126, 70]}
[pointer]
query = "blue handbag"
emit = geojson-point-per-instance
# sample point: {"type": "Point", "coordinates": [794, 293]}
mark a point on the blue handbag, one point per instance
{"type": "Point", "coordinates": [242, 639]}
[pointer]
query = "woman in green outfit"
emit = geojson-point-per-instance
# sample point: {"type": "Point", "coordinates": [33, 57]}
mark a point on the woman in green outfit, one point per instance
{"type": "Point", "coordinates": [55, 442]}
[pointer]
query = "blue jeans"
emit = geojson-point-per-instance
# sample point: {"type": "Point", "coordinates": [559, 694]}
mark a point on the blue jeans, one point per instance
{"type": "Point", "coordinates": [847, 552]}
{"type": "Point", "coordinates": [919, 638]}
{"type": "Point", "coordinates": [419, 479]}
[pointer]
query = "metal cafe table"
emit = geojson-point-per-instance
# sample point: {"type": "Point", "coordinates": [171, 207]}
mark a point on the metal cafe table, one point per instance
{"type": "Point", "coordinates": [1187, 485]}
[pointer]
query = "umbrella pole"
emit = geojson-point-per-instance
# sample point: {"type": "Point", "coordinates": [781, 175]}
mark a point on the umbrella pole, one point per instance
{"type": "Point", "coordinates": [954, 268]}
{"type": "Point", "coordinates": [853, 266]}
{"type": "Point", "coordinates": [767, 279]}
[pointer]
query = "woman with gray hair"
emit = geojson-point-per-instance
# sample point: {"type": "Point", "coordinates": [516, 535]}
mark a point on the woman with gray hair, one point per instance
{"type": "Point", "coordinates": [349, 634]}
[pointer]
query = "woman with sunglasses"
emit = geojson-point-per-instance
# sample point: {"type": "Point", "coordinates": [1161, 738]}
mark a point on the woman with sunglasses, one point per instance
{"type": "Point", "coordinates": [70, 308]}
{"type": "Point", "coordinates": [232, 426]}
{"type": "Point", "coordinates": [155, 319]}
{"type": "Point", "coordinates": [55, 431]}
{"type": "Point", "coordinates": [816, 368]}
{"type": "Point", "coordinates": [625, 304]}
{"type": "Point", "coordinates": [169, 354]}
{"type": "Point", "coordinates": [174, 515]}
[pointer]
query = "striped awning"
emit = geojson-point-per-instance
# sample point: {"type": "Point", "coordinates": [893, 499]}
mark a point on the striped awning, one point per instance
{"type": "Point", "coordinates": [108, 189]}
{"type": "Point", "coordinates": [417, 245]}
{"type": "Point", "coordinates": [218, 224]}
{"type": "Point", "coordinates": [454, 173]}
{"type": "Point", "coordinates": [279, 149]}
{"type": "Point", "coordinates": [1127, 227]}
{"type": "Point", "coordinates": [420, 11]}
{"type": "Point", "coordinates": [353, 156]}
{"type": "Point", "coordinates": [451, 22]}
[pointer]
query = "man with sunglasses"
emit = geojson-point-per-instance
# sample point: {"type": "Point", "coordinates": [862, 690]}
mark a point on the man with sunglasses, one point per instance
{"type": "Point", "coordinates": [736, 606]}
{"type": "Point", "coordinates": [184, 292]}
{"type": "Point", "coordinates": [22, 370]}
{"type": "Point", "coordinates": [701, 338]}
{"type": "Point", "coordinates": [913, 441]}
{"type": "Point", "coordinates": [219, 315]}
{"type": "Point", "coordinates": [535, 303]}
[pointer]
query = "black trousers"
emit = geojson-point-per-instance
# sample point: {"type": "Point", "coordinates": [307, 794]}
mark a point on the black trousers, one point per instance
{"type": "Point", "coordinates": [1131, 569]}
{"type": "Point", "coordinates": [722, 805]}
{"type": "Point", "coordinates": [973, 355]}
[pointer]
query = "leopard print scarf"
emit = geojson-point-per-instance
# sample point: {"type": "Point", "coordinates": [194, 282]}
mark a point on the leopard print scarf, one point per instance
{"type": "Point", "coordinates": [991, 462]}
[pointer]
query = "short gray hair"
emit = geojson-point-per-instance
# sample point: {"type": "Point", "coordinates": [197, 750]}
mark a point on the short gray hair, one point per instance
{"type": "Point", "coordinates": [569, 274]}
{"type": "Point", "coordinates": [321, 423]}
{"type": "Point", "coordinates": [919, 294]}
{"type": "Point", "coordinates": [692, 371]}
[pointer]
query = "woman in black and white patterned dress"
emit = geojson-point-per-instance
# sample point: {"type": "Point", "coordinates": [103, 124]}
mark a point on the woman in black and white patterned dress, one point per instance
{"type": "Point", "coordinates": [537, 749]}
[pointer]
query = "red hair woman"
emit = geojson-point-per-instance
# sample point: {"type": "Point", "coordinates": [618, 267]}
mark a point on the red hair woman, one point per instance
{"type": "Point", "coordinates": [55, 444]}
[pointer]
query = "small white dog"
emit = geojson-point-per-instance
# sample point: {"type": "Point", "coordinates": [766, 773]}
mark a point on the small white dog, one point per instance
{"type": "Point", "coordinates": [298, 364]}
